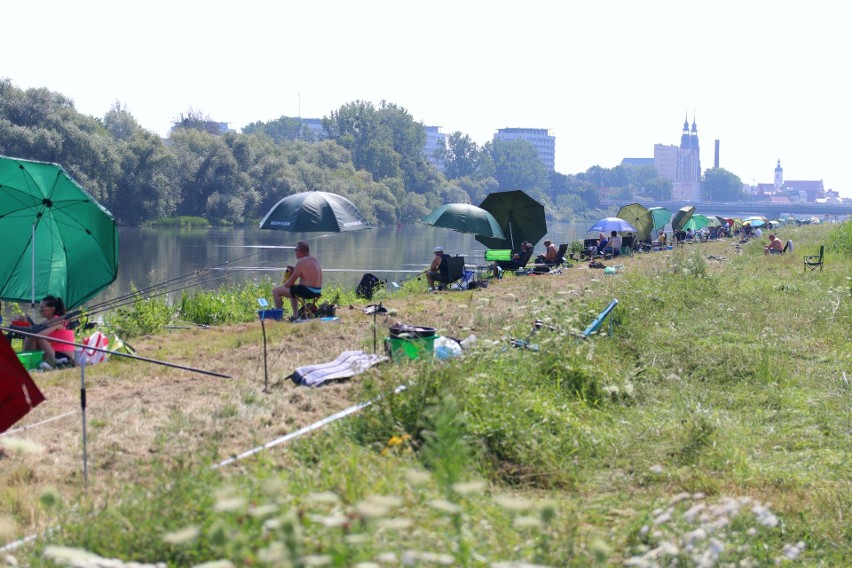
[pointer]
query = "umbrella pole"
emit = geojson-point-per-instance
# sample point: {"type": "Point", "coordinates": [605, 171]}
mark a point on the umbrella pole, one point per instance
{"type": "Point", "coordinates": [32, 284]}
{"type": "Point", "coordinates": [83, 412]}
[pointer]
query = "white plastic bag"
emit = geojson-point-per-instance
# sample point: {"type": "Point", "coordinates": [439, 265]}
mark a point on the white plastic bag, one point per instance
{"type": "Point", "coordinates": [446, 348]}
{"type": "Point", "coordinates": [90, 356]}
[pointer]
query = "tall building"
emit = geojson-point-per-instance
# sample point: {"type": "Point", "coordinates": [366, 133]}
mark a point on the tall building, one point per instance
{"type": "Point", "coordinates": [544, 144]}
{"type": "Point", "coordinates": [433, 137]}
{"type": "Point", "coordinates": [681, 164]}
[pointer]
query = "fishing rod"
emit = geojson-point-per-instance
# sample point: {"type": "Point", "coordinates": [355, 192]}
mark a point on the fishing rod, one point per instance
{"type": "Point", "coordinates": [154, 287]}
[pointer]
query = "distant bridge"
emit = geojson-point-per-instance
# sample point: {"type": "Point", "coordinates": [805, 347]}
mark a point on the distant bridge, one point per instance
{"type": "Point", "coordinates": [746, 208]}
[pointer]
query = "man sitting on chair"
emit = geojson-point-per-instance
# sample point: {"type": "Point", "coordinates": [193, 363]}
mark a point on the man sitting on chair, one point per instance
{"type": "Point", "coordinates": [439, 269]}
{"type": "Point", "coordinates": [550, 256]}
{"type": "Point", "coordinates": [308, 274]}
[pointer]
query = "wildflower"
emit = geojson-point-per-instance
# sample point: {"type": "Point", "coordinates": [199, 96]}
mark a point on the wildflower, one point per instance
{"type": "Point", "coordinates": [445, 506]}
{"type": "Point", "coordinates": [469, 487]}
{"type": "Point", "coordinates": [230, 505]}
{"type": "Point", "coordinates": [326, 497]}
{"type": "Point", "coordinates": [181, 536]}
{"type": "Point", "coordinates": [317, 560]}
{"type": "Point", "coordinates": [656, 469]}
{"type": "Point", "coordinates": [511, 503]}
{"type": "Point", "coordinates": [417, 477]}
{"type": "Point", "coordinates": [526, 522]}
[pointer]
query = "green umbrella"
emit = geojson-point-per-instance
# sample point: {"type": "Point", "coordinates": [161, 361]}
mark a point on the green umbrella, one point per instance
{"type": "Point", "coordinates": [58, 239]}
{"type": "Point", "coordinates": [465, 218]}
{"type": "Point", "coordinates": [662, 217]}
{"type": "Point", "coordinates": [314, 211]}
{"type": "Point", "coordinates": [520, 217]}
{"type": "Point", "coordinates": [640, 217]}
{"type": "Point", "coordinates": [696, 222]}
{"type": "Point", "coordinates": [681, 216]}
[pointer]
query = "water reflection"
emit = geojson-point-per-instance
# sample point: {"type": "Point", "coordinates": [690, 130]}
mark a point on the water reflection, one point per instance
{"type": "Point", "coordinates": [149, 257]}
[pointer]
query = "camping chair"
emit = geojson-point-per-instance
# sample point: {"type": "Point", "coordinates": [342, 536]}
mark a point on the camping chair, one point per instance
{"type": "Point", "coordinates": [814, 260]}
{"type": "Point", "coordinates": [627, 244]}
{"type": "Point", "coordinates": [560, 256]}
{"type": "Point", "coordinates": [588, 245]}
{"type": "Point", "coordinates": [455, 273]}
{"type": "Point", "coordinates": [516, 264]}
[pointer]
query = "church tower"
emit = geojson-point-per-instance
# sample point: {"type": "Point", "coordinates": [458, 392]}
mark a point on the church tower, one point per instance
{"type": "Point", "coordinates": [687, 182]}
{"type": "Point", "coordinates": [779, 177]}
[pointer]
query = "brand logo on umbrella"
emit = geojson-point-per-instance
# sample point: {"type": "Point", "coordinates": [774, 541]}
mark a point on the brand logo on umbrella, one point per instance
{"type": "Point", "coordinates": [280, 223]}
{"type": "Point", "coordinates": [352, 223]}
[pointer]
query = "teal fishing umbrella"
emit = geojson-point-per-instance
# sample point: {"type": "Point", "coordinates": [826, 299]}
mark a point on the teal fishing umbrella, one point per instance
{"type": "Point", "coordinates": [697, 222]}
{"type": "Point", "coordinates": [465, 218]}
{"type": "Point", "coordinates": [57, 239]}
{"type": "Point", "coordinates": [662, 217]}
{"type": "Point", "coordinates": [314, 211]}
{"type": "Point", "coordinates": [640, 217]}
{"type": "Point", "coordinates": [681, 216]}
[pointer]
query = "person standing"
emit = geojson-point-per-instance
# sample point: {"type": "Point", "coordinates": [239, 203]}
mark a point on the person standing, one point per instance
{"type": "Point", "coordinates": [304, 282]}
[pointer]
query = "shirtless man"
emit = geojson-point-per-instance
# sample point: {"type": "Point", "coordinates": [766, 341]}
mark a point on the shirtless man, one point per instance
{"type": "Point", "coordinates": [308, 274]}
{"type": "Point", "coordinates": [775, 246]}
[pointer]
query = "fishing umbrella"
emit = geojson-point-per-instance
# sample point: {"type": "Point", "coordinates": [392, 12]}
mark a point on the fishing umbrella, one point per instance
{"type": "Point", "coordinates": [755, 221]}
{"type": "Point", "coordinates": [18, 393]}
{"type": "Point", "coordinates": [465, 218]}
{"type": "Point", "coordinates": [314, 211]}
{"type": "Point", "coordinates": [520, 217]}
{"type": "Point", "coordinates": [640, 217]}
{"type": "Point", "coordinates": [681, 216]}
{"type": "Point", "coordinates": [697, 222]}
{"type": "Point", "coordinates": [58, 239]}
{"type": "Point", "coordinates": [662, 217]}
{"type": "Point", "coordinates": [609, 224]}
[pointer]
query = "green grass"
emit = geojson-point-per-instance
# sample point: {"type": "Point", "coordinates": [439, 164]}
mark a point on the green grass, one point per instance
{"type": "Point", "coordinates": [717, 412]}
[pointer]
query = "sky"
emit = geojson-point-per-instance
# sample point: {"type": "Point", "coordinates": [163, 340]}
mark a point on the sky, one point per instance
{"type": "Point", "coordinates": [607, 78]}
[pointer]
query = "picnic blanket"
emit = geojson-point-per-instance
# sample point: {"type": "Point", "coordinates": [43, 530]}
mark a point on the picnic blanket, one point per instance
{"type": "Point", "coordinates": [348, 364]}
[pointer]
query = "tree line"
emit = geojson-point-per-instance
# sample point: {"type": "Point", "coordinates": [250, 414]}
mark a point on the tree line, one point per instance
{"type": "Point", "coordinates": [371, 154]}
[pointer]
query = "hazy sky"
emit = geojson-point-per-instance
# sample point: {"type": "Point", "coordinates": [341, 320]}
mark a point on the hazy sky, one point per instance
{"type": "Point", "coordinates": [609, 79]}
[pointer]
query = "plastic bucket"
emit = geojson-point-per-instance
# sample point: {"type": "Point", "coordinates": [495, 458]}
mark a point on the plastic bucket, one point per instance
{"type": "Point", "coordinates": [399, 348]}
{"type": "Point", "coordinates": [30, 359]}
{"type": "Point", "coordinates": [276, 315]}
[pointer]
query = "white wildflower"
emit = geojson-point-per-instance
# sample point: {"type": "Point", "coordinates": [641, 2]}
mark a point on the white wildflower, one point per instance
{"type": "Point", "coordinates": [656, 469]}
{"type": "Point", "coordinates": [182, 536]}
{"type": "Point", "coordinates": [445, 506]}
{"type": "Point", "coordinates": [326, 497]}
{"type": "Point", "coordinates": [469, 487]}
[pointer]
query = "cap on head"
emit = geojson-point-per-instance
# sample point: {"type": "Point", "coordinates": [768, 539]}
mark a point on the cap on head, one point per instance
{"type": "Point", "coordinates": [438, 249]}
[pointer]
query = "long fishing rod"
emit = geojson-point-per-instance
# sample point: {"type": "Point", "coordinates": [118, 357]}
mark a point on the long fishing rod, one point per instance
{"type": "Point", "coordinates": [154, 287]}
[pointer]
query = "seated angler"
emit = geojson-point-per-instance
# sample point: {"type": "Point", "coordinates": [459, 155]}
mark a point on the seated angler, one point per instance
{"type": "Point", "coordinates": [52, 309]}
{"type": "Point", "coordinates": [549, 257]}
{"type": "Point", "coordinates": [439, 270]}
{"type": "Point", "coordinates": [305, 282]}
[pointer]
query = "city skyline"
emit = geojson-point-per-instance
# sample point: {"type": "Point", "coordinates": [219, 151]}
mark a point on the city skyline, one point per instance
{"type": "Point", "coordinates": [608, 80]}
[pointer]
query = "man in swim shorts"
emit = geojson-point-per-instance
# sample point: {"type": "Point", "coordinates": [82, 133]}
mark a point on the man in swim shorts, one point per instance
{"type": "Point", "coordinates": [308, 274]}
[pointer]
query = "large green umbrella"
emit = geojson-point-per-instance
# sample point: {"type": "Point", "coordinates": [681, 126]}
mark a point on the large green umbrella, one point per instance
{"type": "Point", "coordinates": [520, 217]}
{"type": "Point", "coordinates": [465, 218]}
{"type": "Point", "coordinates": [681, 216]}
{"type": "Point", "coordinates": [58, 239]}
{"type": "Point", "coordinates": [314, 211]}
{"type": "Point", "coordinates": [697, 222]}
{"type": "Point", "coordinates": [662, 217]}
{"type": "Point", "coordinates": [640, 217]}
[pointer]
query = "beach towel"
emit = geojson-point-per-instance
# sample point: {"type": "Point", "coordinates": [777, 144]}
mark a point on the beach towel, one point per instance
{"type": "Point", "coordinates": [347, 365]}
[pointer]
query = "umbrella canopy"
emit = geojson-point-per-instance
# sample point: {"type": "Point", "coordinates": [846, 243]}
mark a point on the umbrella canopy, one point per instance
{"type": "Point", "coordinates": [640, 217]}
{"type": "Point", "coordinates": [697, 222]}
{"type": "Point", "coordinates": [314, 211]}
{"type": "Point", "coordinates": [610, 224]}
{"type": "Point", "coordinates": [520, 217]}
{"type": "Point", "coordinates": [681, 216]}
{"type": "Point", "coordinates": [465, 218]}
{"type": "Point", "coordinates": [755, 221]}
{"type": "Point", "coordinates": [59, 240]}
{"type": "Point", "coordinates": [662, 217]}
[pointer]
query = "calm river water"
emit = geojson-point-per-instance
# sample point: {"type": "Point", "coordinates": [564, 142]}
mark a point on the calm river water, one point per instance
{"type": "Point", "coordinates": [149, 257]}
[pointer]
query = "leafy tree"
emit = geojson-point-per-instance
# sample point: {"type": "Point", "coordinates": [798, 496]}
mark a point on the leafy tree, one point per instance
{"type": "Point", "coordinates": [196, 120]}
{"type": "Point", "coordinates": [657, 188]}
{"type": "Point", "coordinates": [120, 123]}
{"type": "Point", "coordinates": [517, 166]}
{"type": "Point", "coordinates": [719, 184]}
{"type": "Point", "coordinates": [282, 129]}
{"type": "Point", "coordinates": [460, 156]}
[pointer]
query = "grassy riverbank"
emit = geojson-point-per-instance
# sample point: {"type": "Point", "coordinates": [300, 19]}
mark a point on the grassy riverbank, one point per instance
{"type": "Point", "coordinates": [712, 425]}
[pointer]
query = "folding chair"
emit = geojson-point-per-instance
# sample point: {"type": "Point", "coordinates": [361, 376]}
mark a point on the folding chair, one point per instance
{"type": "Point", "coordinates": [627, 245]}
{"type": "Point", "coordinates": [814, 260]}
{"type": "Point", "coordinates": [455, 272]}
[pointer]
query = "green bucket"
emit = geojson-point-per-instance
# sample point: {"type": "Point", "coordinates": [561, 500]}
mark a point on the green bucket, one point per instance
{"type": "Point", "coordinates": [399, 348]}
{"type": "Point", "coordinates": [30, 359]}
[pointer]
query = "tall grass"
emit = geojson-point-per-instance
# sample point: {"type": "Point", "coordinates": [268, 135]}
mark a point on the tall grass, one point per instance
{"type": "Point", "coordinates": [711, 427]}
